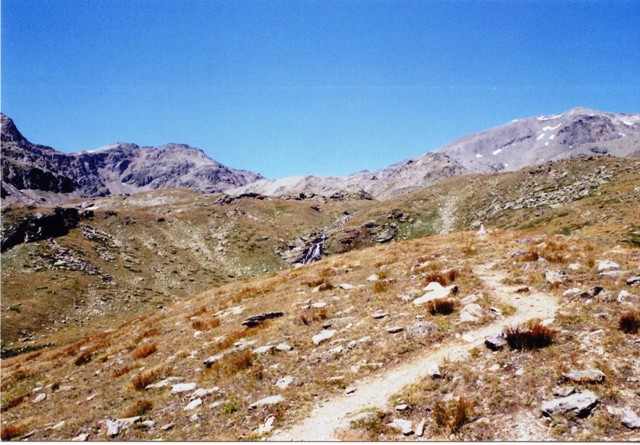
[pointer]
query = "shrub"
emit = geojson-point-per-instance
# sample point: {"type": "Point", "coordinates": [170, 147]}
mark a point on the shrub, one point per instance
{"type": "Point", "coordinates": [313, 314]}
{"type": "Point", "coordinates": [534, 335]}
{"type": "Point", "coordinates": [231, 364]}
{"type": "Point", "coordinates": [630, 322]}
{"type": "Point", "coordinates": [202, 325]}
{"type": "Point", "coordinates": [229, 407]}
{"type": "Point", "coordinates": [138, 409]}
{"type": "Point", "coordinates": [143, 379]}
{"type": "Point", "coordinates": [445, 277]}
{"type": "Point", "coordinates": [144, 351]}
{"type": "Point", "coordinates": [442, 306]}
{"type": "Point", "coordinates": [148, 333]}
{"type": "Point", "coordinates": [83, 358]}
{"type": "Point", "coordinates": [122, 371]}
{"type": "Point", "coordinates": [454, 415]}
{"type": "Point", "coordinates": [380, 286]}
{"type": "Point", "coordinates": [12, 402]}
{"type": "Point", "coordinates": [11, 431]}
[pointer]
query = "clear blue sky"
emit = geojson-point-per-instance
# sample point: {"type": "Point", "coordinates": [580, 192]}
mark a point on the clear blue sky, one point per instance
{"type": "Point", "coordinates": [297, 87]}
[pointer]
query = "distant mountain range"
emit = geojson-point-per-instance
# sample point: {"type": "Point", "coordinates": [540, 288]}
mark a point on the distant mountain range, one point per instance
{"type": "Point", "coordinates": [33, 173]}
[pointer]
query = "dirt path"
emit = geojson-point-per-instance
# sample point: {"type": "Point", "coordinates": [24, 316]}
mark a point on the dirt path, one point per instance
{"type": "Point", "coordinates": [448, 214]}
{"type": "Point", "coordinates": [335, 414]}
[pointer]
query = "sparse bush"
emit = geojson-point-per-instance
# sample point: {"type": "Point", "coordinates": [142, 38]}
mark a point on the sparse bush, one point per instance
{"type": "Point", "coordinates": [454, 415]}
{"type": "Point", "coordinates": [140, 408]}
{"type": "Point", "coordinates": [203, 325]}
{"type": "Point", "coordinates": [231, 364]}
{"type": "Point", "coordinates": [444, 277]}
{"type": "Point", "coordinates": [143, 379]}
{"type": "Point", "coordinates": [442, 306]}
{"type": "Point", "coordinates": [313, 314]}
{"type": "Point", "coordinates": [380, 286]}
{"type": "Point", "coordinates": [630, 322]}
{"type": "Point", "coordinates": [148, 333]}
{"type": "Point", "coordinates": [144, 351]}
{"type": "Point", "coordinates": [229, 407]}
{"type": "Point", "coordinates": [196, 312]}
{"type": "Point", "coordinates": [11, 431]}
{"type": "Point", "coordinates": [121, 371]}
{"type": "Point", "coordinates": [531, 336]}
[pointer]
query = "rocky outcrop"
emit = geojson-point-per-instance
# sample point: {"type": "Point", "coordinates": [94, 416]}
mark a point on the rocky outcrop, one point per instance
{"type": "Point", "coordinates": [37, 173]}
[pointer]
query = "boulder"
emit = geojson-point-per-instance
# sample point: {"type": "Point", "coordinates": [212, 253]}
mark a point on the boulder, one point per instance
{"type": "Point", "coordinates": [272, 400]}
{"type": "Point", "coordinates": [495, 343]}
{"type": "Point", "coordinates": [193, 405]}
{"type": "Point", "coordinates": [404, 426]}
{"type": "Point", "coordinates": [627, 417]}
{"type": "Point", "coordinates": [386, 235]}
{"type": "Point", "coordinates": [433, 294]}
{"type": "Point", "coordinates": [260, 318]}
{"type": "Point", "coordinates": [419, 329]}
{"type": "Point", "coordinates": [323, 336]}
{"type": "Point", "coordinates": [586, 376]}
{"type": "Point", "coordinates": [555, 276]}
{"type": "Point", "coordinates": [470, 312]}
{"type": "Point", "coordinates": [607, 265]}
{"type": "Point", "coordinates": [182, 387]}
{"type": "Point", "coordinates": [213, 359]}
{"type": "Point", "coordinates": [633, 280]}
{"type": "Point", "coordinates": [580, 405]}
{"type": "Point", "coordinates": [116, 426]}
{"type": "Point", "coordinates": [285, 382]}
{"type": "Point", "coordinates": [563, 391]}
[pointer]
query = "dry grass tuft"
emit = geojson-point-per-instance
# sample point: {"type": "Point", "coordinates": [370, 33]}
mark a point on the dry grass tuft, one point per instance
{"type": "Point", "coordinates": [630, 322]}
{"type": "Point", "coordinates": [203, 325]}
{"type": "Point", "coordinates": [442, 306]}
{"type": "Point", "coordinates": [231, 364]}
{"type": "Point", "coordinates": [143, 379]}
{"type": "Point", "coordinates": [12, 402]}
{"type": "Point", "coordinates": [531, 336]}
{"type": "Point", "coordinates": [144, 351]}
{"type": "Point", "coordinates": [148, 333]}
{"type": "Point", "coordinates": [313, 314]}
{"type": "Point", "coordinates": [83, 358]}
{"type": "Point", "coordinates": [445, 277]}
{"type": "Point", "coordinates": [11, 431]}
{"type": "Point", "coordinates": [140, 408]}
{"type": "Point", "coordinates": [380, 286]}
{"type": "Point", "coordinates": [454, 415]}
{"type": "Point", "coordinates": [122, 371]}
{"type": "Point", "coordinates": [196, 312]}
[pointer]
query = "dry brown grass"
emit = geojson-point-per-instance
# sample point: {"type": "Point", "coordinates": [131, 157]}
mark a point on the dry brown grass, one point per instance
{"type": "Point", "coordinates": [529, 336]}
{"type": "Point", "coordinates": [203, 325]}
{"type": "Point", "coordinates": [84, 358]}
{"type": "Point", "coordinates": [452, 416]}
{"type": "Point", "coordinates": [380, 286]}
{"type": "Point", "coordinates": [148, 333]}
{"type": "Point", "coordinates": [200, 310]}
{"type": "Point", "coordinates": [445, 277]}
{"type": "Point", "coordinates": [145, 378]}
{"type": "Point", "coordinates": [11, 431]}
{"type": "Point", "coordinates": [12, 402]}
{"type": "Point", "coordinates": [233, 363]}
{"type": "Point", "coordinates": [122, 371]}
{"type": "Point", "coordinates": [140, 408]}
{"type": "Point", "coordinates": [144, 351]}
{"type": "Point", "coordinates": [313, 314]}
{"type": "Point", "coordinates": [630, 322]}
{"type": "Point", "coordinates": [442, 306]}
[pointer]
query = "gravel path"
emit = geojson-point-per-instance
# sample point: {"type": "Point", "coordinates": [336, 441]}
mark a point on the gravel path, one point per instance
{"type": "Point", "coordinates": [335, 414]}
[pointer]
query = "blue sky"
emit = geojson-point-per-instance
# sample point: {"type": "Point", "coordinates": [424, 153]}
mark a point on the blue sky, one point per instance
{"type": "Point", "coordinates": [299, 87]}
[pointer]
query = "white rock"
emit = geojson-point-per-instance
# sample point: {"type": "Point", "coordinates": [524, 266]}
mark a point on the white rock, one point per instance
{"type": "Point", "coordinates": [434, 370]}
{"type": "Point", "coordinates": [373, 277]}
{"type": "Point", "coordinates": [495, 367]}
{"type": "Point", "coordinates": [115, 426]}
{"type": "Point", "coordinates": [379, 315]}
{"type": "Point", "coordinates": [607, 265]}
{"type": "Point", "coordinates": [434, 285]}
{"type": "Point", "coordinates": [433, 295]}
{"type": "Point", "coordinates": [420, 428]}
{"type": "Point", "coordinates": [323, 336]}
{"type": "Point", "coordinates": [404, 426]}
{"type": "Point", "coordinates": [401, 407]}
{"type": "Point", "coordinates": [470, 299]}
{"type": "Point", "coordinates": [193, 404]}
{"type": "Point", "coordinates": [283, 347]}
{"type": "Point", "coordinates": [202, 392]}
{"type": "Point", "coordinates": [182, 387]}
{"type": "Point", "coordinates": [468, 338]}
{"type": "Point", "coordinates": [571, 292]}
{"type": "Point", "coordinates": [319, 304]}
{"type": "Point", "coordinates": [163, 383]}
{"type": "Point", "coordinates": [579, 404]}
{"type": "Point", "coordinates": [574, 266]}
{"type": "Point", "coordinates": [627, 417]}
{"type": "Point", "coordinates": [285, 382]}
{"type": "Point", "coordinates": [352, 344]}
{"type": "Point", "coordinates": [336, 350]}
{"type": "Point", "coordinates": [622, 296]}
{"type": "Point", "coordinates": [268, 426]}
{"type": "Point", "coordinates": [366, 339]}
{"type": "Point", "coordinates": [58, 426]}
{"type": "Point", "coordinates": [345, 286]}
{"type": "Point", "coordinates": [40, 397]}
{"type": "Point", "coordinates": [80, 438]}
{"type": "Point", "coordinates": [272, 400]}
{"type": "Point", "coordinates": [263, 349]}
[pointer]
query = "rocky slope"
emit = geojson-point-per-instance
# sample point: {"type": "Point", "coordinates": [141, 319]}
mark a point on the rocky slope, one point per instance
{"type": "Point", "coordinates": [34, 173]}
{"type": "Point", "coordinates": [510, 147]}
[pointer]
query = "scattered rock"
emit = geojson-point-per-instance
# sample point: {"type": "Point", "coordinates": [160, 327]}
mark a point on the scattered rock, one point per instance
{"type": "Point", "coordinates": [366, 339]}
{"type": "Point", "coordinates": [267, 427]}
{"type": "Point", "coordinates": [193, 405]}
{"type": "Point", "coordinates": [495, 367]}
{"type": "Point", "coordinates": [259, 319]}
{"type": "Point", "coordinates": [272, 400]}
{"type": "Point", "coordinates": [586, 376]}
{"type": "Point", "coordinates": [116, 426]}
{"type": "Point", "coordinates": [363, 417]}
{"type": "Point", "coordinates": [404, 426]}
{"type": "Point", "coordinates": [495, 343]}
{"type": "Point", "coordinates": [263, 349]}
{"type": "Point", "coordinates": [58, 426]}
{"type": "Point", "coordinates": [386, 235]}
{"type": "Point", "coordinates": [40, 397]}
{"type": "Point", "coordinates": [161, 383]}
{"type": "Point", "coordinates": [167, 426]}
{"type": "Point", "coordinates": [319, 305]}
{"type": "Point", "coordinates": [379, 315]}
{"type": "Point", "coordinates": [350, 390]}
{"type": "Point", "coordinates": [81, 438]}
{"type": "Point", "coordinates": [434, 371]}
{"type": "Point", "coordinates": [472, 298]}
{"type": "Point", "coordinates": [607, 265]}
{"type": "Point", "coordinates": [373, 277]}
{"type": "Point", "coordinates": [470, 312]}
{"type": "Point", "coordinates": [323, 336]}
{"type": "Point", "coordinates": [419, 329]}
{"type": "Point", "coordinates": [522, 290]}
{"type": "Point", "coordinates": [622, 296]}
{"type": "Point", "coordinates": [434, 292]}
{"type": "Point", "coordinates": [574, 266]}
{"type": "Point", "coordinates": [401, 407]}
{"type": "Point", "coordinates": [284, 347]}
{"type": "Point", "coordinates": [214, 358]}
{"type": "Point", "coordinates": [555, 277]}
{"type": "Point", "coordinates": [468, 338]}
{"type": "Point", "coordinates": [345, 286]}
{"type": "Point", "coordinates": [579, 405]}
{"type": "Point", "coordinates": [627, 417]}
{"type": "Point", "coordinates": [420, 428]}
{"type": "Point", "coordinates": [633, 280]}
{"type": "Point", "coordinates": [563, 391]}
{"type": "Point", "coordinates": [182, 387]}
{"type": "Point", "coordinates": [201, 392]}
{"type": "Point", "coordinates": [285, 382]}
{"type": "Point", "coordinates": [394, 329]}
